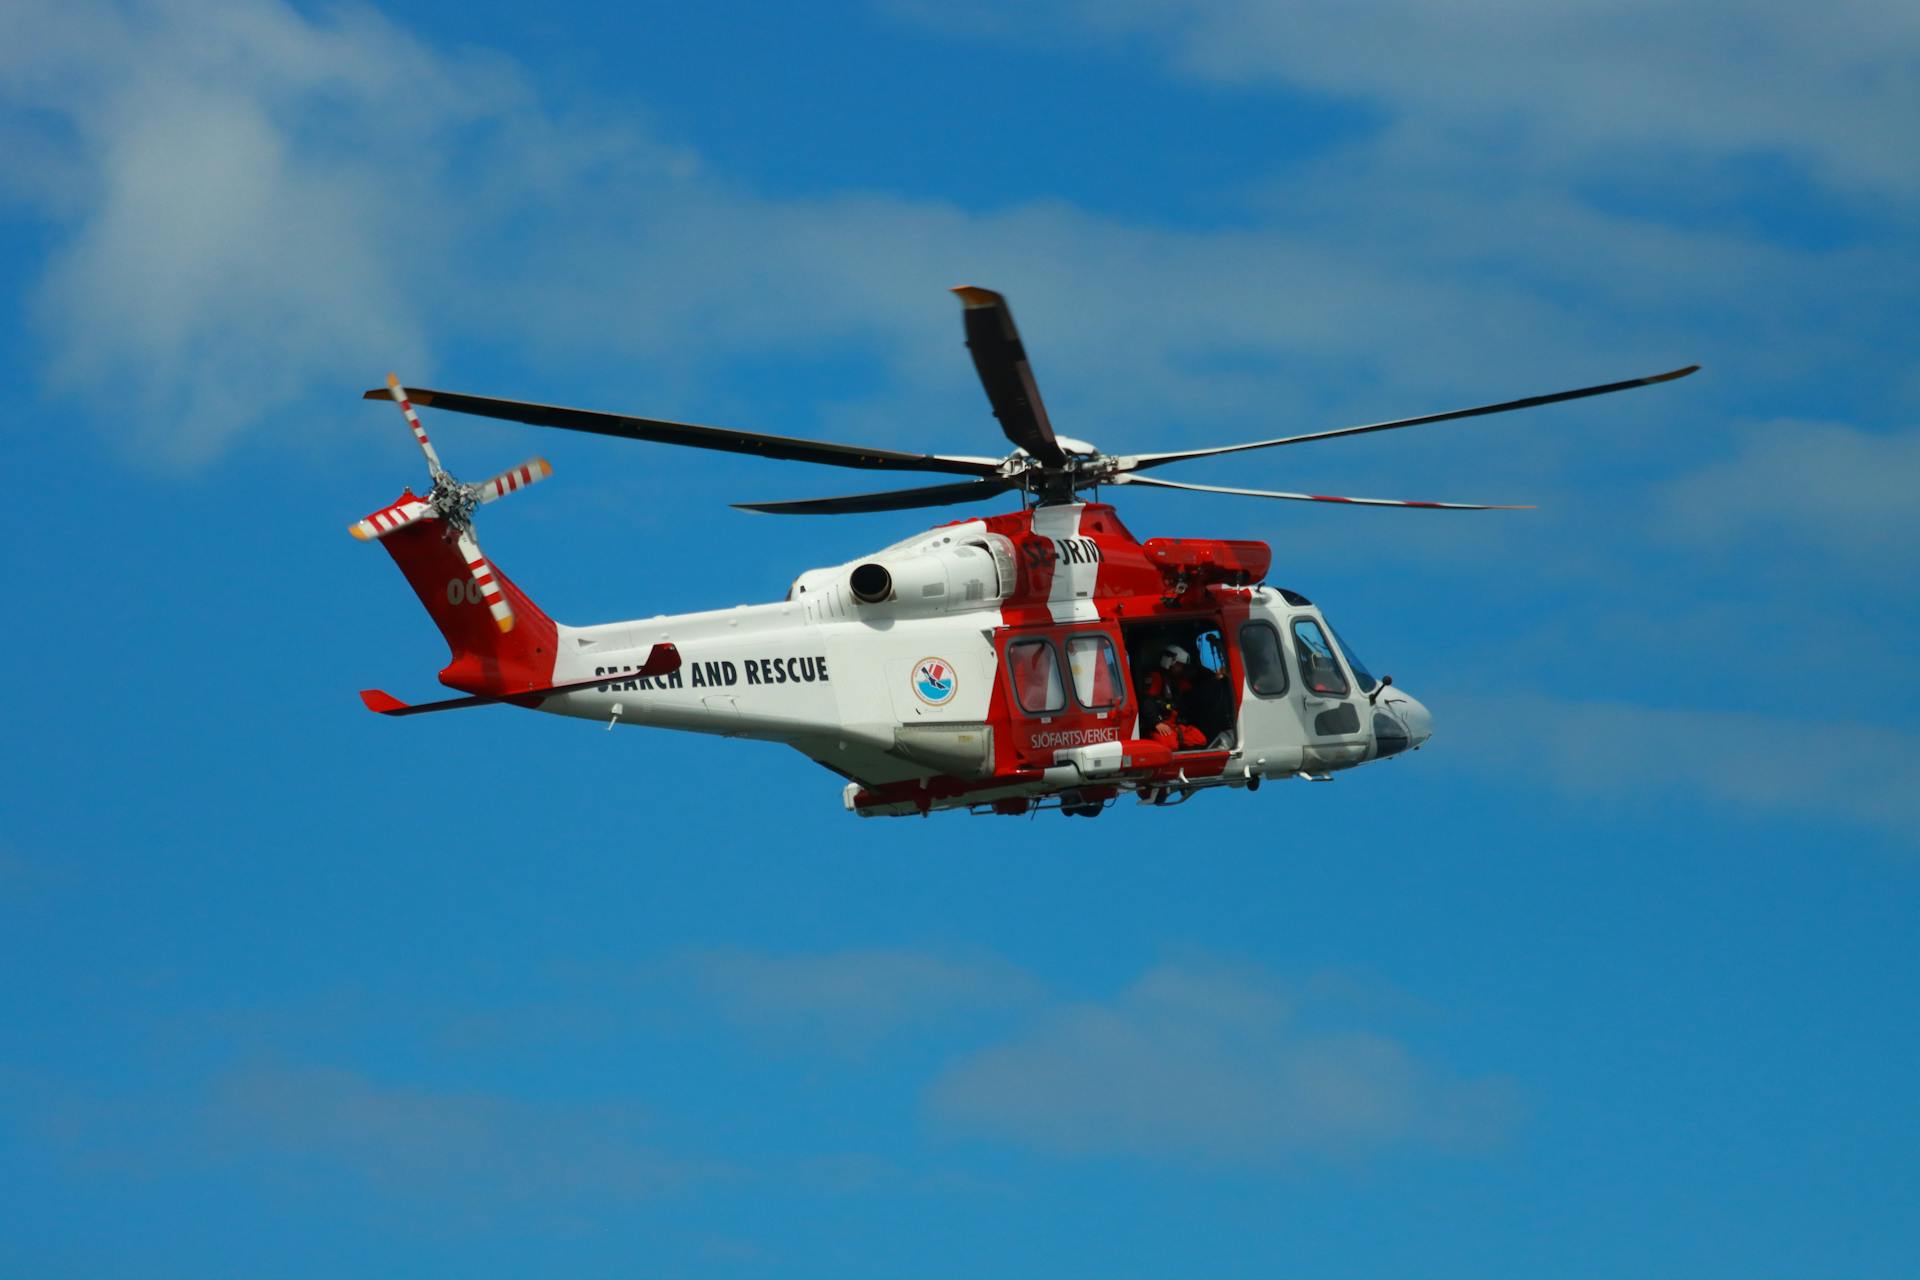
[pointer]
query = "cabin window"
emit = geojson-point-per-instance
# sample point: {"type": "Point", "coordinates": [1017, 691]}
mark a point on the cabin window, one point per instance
{"type": "Point", "coordinates": [1036, 677]}
{"type": "Point", "coordinates": [1319, 670]}
{"type": "Point", "coordinates": [1096, 672]}
{"type": "Point", "coordinates": [1265, 663]}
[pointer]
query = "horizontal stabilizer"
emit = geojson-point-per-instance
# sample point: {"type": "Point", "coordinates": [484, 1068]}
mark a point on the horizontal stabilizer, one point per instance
{"type": "Point", "coordinates": [661, 660]}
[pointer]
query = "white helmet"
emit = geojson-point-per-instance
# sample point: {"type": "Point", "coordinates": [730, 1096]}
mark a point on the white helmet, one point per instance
{"type": "Point", "coordinates": [1174, 656]}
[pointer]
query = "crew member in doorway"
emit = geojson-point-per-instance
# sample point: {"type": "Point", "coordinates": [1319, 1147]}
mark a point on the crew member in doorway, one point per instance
{"type": "Point", "coordinates": [1207, 706]}
{"type": "Point", "coordinates": [1169, 688]}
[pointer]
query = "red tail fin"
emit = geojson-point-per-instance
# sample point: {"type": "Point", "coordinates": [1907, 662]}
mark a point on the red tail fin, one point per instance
{"type": "Point", "coordinates": [484, 659]}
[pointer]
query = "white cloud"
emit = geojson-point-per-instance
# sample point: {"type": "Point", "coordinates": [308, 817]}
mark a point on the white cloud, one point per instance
{"type": "Point", "coordinates": [259, 203]}
{"type": "Point", "coordinates": [856, 994]}
{"type": "Point", "coordinates": [457, 1146]}
{"type": "Point", "coordinates": [266, 205]}
{"type": "Point", "coordinates": [225, 257]}
{"type": "Point", "coordinates": [1846, 493]}
{"type": "Point", "coordinates": [1211, 1064]}
{"type": "Point", "coordinates": [1832, 86]}
{"type": "Point", "coordinates": [1745, 764]}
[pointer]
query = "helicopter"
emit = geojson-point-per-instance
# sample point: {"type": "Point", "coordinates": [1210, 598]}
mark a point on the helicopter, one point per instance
{"type": "Point", "coordinates": [1040, 658]}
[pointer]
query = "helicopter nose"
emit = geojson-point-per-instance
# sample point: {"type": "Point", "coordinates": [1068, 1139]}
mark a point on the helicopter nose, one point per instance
{"type": "Point", "coordinates": [1418, 719]}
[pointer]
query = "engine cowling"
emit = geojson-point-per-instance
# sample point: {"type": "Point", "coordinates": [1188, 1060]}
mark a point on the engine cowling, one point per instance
{"type": "Point", "coordinates": [939, 575]}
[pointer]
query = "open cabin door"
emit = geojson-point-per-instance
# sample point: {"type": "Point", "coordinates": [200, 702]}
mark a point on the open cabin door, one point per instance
{"type": "Point", "coordinates": [1199, 699]}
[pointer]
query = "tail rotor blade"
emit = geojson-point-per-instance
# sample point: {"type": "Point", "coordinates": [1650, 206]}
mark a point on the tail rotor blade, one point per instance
{"type": "Point", "coordinates": [532, 471]}
{"type": "Point", "coordinates": [408, 510]}
{"type": "Point", "coordinates": [399, 394]}
{"type": "Point", "coordinates": [489, 583]}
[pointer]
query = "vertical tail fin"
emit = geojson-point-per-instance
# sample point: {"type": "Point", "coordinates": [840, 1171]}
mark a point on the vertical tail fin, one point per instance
{"type": "Point", "coordinates": [485, 659]}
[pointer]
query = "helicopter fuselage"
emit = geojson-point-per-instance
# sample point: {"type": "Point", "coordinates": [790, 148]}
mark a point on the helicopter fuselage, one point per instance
{"type": "Point", "coordinates": [993, 663]}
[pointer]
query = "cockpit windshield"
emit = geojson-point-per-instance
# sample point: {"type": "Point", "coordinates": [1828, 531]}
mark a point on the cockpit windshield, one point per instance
{"type": "Point", "coordinates": [1367, 683]}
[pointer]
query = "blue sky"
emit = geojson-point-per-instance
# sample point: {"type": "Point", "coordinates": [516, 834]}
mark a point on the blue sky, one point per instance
{"type": "Point", "coordinates": [1616, 976]}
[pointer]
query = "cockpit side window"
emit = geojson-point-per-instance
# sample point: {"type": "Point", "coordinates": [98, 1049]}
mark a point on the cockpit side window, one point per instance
{"type": "Point", "coordinates": [1266, 665]}
{"type": "Point", "coordinates": [1319, 670]}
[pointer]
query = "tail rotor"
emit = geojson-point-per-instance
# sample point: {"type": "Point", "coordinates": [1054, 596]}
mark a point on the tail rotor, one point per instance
{"type": "Point", "coordinates": [452, 502]}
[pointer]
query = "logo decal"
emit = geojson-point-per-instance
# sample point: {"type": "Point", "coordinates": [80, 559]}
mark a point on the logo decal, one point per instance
{"type": "Point", "coordinates": [933, 681]}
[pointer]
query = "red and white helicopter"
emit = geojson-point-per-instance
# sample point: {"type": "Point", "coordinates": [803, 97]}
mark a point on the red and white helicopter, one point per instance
{"type": "Point", "coordinates": [1043, 657]}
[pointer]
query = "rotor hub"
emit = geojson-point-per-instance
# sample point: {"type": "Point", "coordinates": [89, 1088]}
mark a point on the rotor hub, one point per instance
{"type": "Point", "coordinates": [453, 501]}
{"type": "Point", "coordinates": [1085, 467]}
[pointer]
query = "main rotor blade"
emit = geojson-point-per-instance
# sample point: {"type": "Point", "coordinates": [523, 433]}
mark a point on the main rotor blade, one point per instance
{"type": "Point", "coordinates": [1000, 358]}
{"type": "Point", "coordinates": [725, 439]}
{"type": "Point", "coordinates": [1125, 478]}
{"type": "Point", "coordinates": [938, 495]}
{"type": "Point", "coordinates": [1141, 461]}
